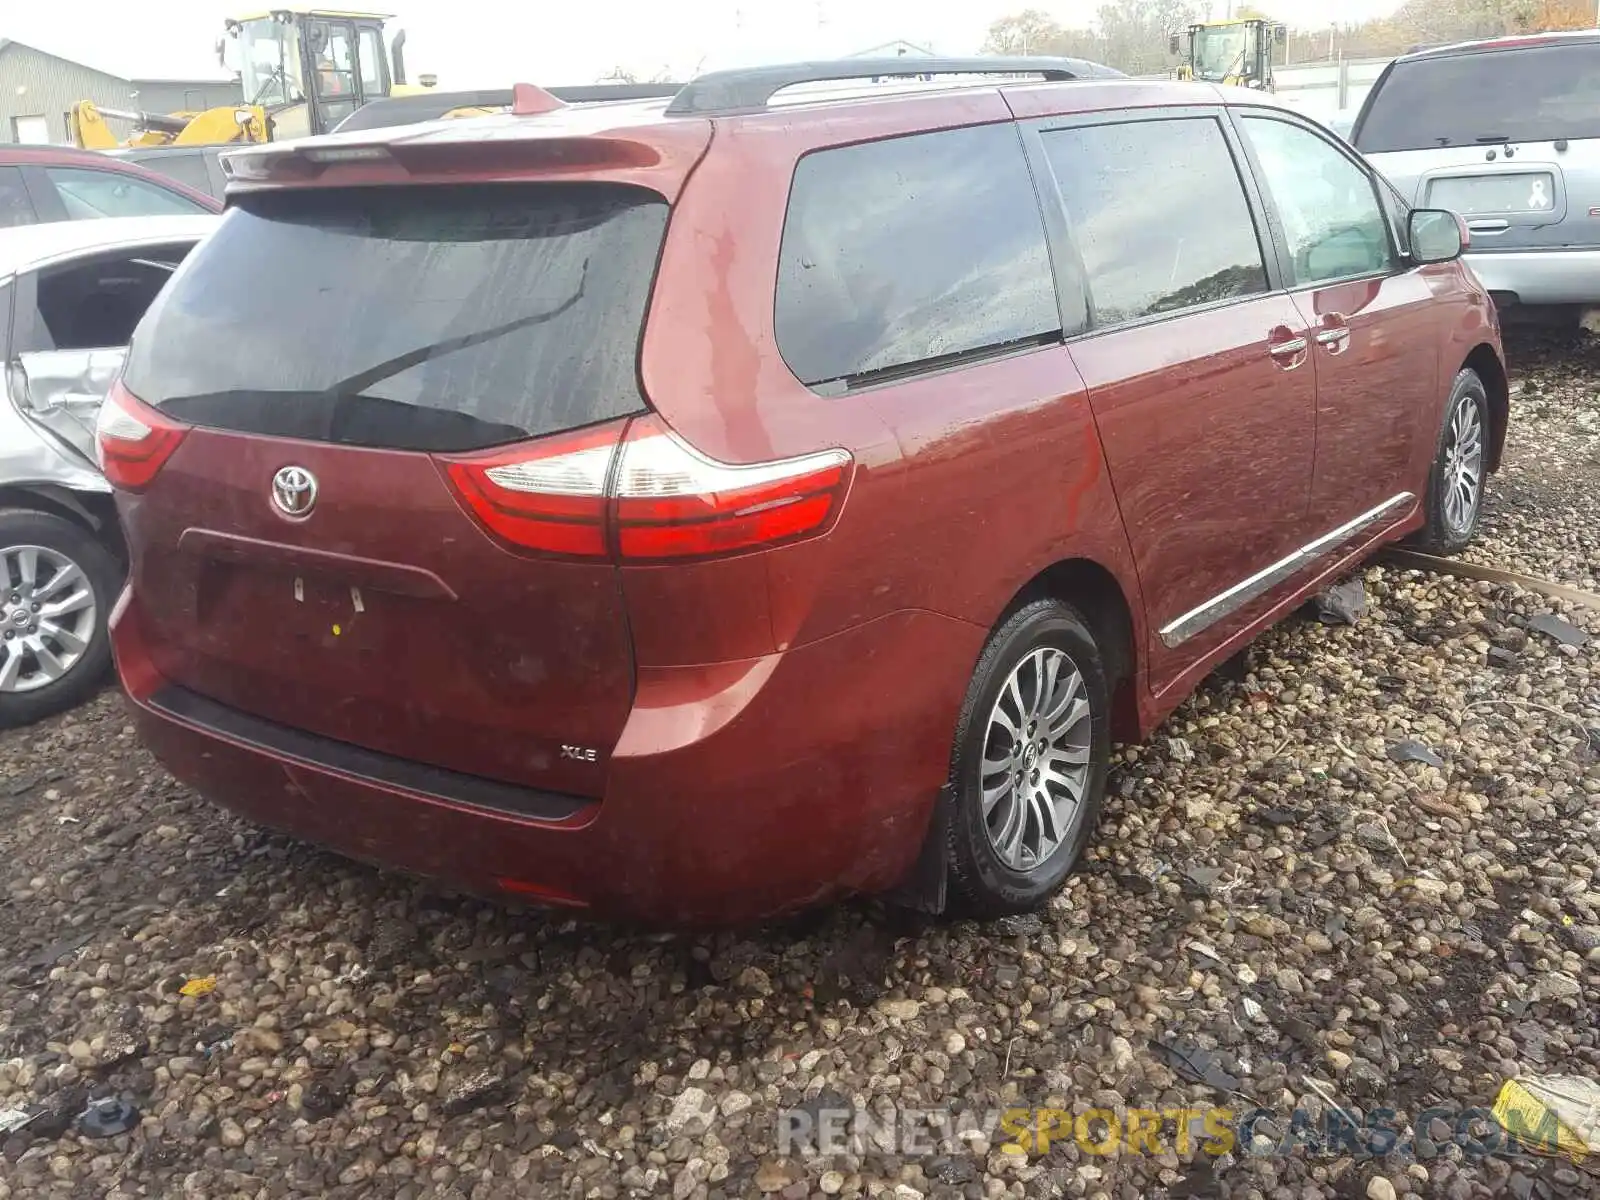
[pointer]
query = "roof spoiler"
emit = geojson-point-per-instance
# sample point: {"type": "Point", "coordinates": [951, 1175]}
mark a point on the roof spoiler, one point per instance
{"type": "Point", "coordinates": [431, 105]}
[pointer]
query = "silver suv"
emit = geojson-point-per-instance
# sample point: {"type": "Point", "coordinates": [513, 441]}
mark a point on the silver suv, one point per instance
{"type": "Point", "coordinates": [1504, 133]}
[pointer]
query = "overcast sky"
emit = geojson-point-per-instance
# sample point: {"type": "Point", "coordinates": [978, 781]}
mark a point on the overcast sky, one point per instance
{"type": "Point", "coordinates": [551, 43]}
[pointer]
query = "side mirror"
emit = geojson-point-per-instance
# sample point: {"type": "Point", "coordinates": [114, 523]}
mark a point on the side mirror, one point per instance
{"type": "Point", "coordinates": [1436, 236]}
{"type": "Point", "coordinates": [1280, 34]}
{"type": "Point", "coordinates": [1174, 46]}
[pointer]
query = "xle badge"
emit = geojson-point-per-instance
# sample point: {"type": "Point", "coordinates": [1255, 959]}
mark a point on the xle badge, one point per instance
{"type": "Point", "coordinates": [580, 753]}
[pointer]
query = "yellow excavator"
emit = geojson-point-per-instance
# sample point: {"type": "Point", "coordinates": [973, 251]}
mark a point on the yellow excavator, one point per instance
{"type": "Point", "coordinates": [302, 70]}
{"type": "Point", "coordinates": [1237, 52]}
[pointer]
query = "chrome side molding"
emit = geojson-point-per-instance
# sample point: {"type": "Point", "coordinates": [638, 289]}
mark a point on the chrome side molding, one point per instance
{"type": "Point", "coordinates": [1240, 594]}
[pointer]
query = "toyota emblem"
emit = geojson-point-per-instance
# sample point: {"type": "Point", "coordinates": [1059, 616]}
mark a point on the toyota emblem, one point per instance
{"type": "Point", "coordinates": [294, 491]}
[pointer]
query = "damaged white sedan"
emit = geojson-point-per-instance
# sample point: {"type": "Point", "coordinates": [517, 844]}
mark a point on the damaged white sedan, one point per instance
{"type": "Point", "coordinates": [71, 294]}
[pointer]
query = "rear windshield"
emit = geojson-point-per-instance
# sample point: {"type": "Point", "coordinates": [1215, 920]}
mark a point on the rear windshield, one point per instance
{"type": "Point", "coordinates": [436, 319]}
{"type": "Point", "coordinates": [1519, 94]}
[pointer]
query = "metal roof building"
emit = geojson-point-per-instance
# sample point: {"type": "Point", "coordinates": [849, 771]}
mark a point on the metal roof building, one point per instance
{"type": "Point", "coordinates": [37, 89]}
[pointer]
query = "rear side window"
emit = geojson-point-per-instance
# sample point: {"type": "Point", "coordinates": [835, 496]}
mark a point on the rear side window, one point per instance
{"type": "Point", "coordinates": [910, 253]}
{"type": "Point", "coordinates": [1520, 94]}
{"type": "Point", "coordinates": [1159, 215]}
{"type": "Point", "coordinates": [436, 319]}
{"type": "Point", "coordinates": [188, 167]}
{"type": "Point", "coordinates": [96, 303]}
{"type": "Point", "coordinates": [88, 193]}
{"type": "Point", "coordinates": [15, 207]}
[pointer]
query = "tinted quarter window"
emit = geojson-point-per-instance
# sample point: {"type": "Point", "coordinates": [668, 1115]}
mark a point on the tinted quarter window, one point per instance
{"type": "Point", "coordinates": [1158, 213]}
{"type": "Point", "coordinates": [1521, 94]}
{"type": "Point", "coordinates": [427, 318]}
{"type": "Point", "coordinates": [1397, 210]}
{"type": "Point", "coordinates": [187, 167]}
{"type": "Point", "coordinates": [1332, 220]}
{"type": "Point", "coordinates": [911, 251]}
{"type": "Point", "coordinates": [15, 207]}
{"type": "Point", "coordinates": [89, 193]}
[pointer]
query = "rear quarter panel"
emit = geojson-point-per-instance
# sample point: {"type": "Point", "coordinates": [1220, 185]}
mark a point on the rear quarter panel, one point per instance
{"type": "Point", "coordinates": [967, 483]}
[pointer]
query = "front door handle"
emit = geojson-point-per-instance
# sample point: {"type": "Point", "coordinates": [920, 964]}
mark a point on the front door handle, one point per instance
{"type": "Point", "coordinates": [1333, 337]}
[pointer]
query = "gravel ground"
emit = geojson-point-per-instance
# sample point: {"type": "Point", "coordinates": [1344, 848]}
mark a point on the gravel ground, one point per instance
{"type": "Point", "coordinates": [1269, 886]}
{"type": "Point", "coordinates": [1542, 512]}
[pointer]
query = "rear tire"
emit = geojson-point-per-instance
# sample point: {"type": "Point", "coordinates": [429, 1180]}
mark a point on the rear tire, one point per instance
{"type": "Point", "coordinates": [1454, 502]}
{"type": "Point", "coordinates": [57, 653]}
{"type": "Point", "coordinates": [1031, 754]}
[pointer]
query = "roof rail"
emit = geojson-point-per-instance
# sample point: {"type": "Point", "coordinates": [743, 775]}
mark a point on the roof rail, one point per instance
{"type": "Point", "coordinates": [754, 87]}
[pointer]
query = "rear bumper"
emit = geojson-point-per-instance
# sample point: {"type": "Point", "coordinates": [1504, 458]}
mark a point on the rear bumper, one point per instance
{"type": "Point", "coordinates": [1540, 276]}
{"type": "Point", "coordinates": [737, 791]}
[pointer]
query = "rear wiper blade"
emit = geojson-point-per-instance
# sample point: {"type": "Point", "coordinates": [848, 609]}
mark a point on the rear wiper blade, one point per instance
{"type": "Point", "coordinates": [389, 368]}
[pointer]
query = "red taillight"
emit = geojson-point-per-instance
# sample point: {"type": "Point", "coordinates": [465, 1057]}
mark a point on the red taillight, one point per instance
{"type": "Point", "coordinates": [133, 439]}
{"type": "Point", "coordinates": [550, 497]}
{"type": "Point", "coordinates": [665, 500]}
{"type": "Point", "coordinates": [673, 502]}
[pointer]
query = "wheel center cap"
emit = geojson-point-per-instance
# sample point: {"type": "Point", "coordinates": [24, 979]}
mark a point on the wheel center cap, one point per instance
{"type": "Point", "coordinates": [1030, 756]}
{"type": "Point", "coordinates": [20, 617]}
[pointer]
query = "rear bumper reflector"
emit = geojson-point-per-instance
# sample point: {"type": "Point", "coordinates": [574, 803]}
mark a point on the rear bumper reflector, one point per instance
{"type": "Point", "coordinates": [324, 753]}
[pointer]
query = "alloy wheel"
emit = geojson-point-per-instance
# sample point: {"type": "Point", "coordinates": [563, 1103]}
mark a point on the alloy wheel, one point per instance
{"type": "Point", "coordinates": [1463, 466]}
{"type": "Point", "coordinates": [47, 617]}
{"type": "Point", "coordinates": [1036, 759]}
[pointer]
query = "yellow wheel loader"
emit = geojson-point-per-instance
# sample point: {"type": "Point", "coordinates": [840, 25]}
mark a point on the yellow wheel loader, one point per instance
{"type": "Point", "coordinates": [310, 68]}
{"type": "Point", "coordinates": [302, 70]}
{"type": "Point", "coordinates": [1237, 53]}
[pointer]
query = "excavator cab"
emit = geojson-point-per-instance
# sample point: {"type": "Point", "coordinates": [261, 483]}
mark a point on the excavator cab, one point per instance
{"type": "Point", "coordinates": [1236, 53]}
{"type": "Point", "coordinates": [311, 68]}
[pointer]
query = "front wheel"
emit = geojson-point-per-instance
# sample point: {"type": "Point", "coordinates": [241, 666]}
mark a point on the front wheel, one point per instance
{"type": "Point", "coordinates": [1029, 770]}
{"type": "Point", "coordinates": [57, 585]}
{"type": "Point", "coordinates": [1454, 501]}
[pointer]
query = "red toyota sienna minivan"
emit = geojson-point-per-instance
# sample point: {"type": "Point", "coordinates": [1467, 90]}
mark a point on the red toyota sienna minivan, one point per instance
{"type": "Point", "coordinates": [694, 510]}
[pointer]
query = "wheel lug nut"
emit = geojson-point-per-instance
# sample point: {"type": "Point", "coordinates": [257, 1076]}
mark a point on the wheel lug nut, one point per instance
{"type": "Point", "coordinates": [34, 606]}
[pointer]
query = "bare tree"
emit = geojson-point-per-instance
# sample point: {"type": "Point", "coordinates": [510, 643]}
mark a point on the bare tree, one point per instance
{"type": "Point", "coordinates": [623, 75]}
{"type": "Point", "coordinates": [1029, 32]}
{"type": "Point", "coordinates": [1132, 35]}
{"type": "Point", "coordinates": [1136, 32]}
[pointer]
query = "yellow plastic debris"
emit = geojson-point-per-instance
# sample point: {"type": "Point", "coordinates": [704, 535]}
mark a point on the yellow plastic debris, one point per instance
{"type": "Point", "coordinates": [199, 987]}
{"type": "Point", "coordinates": [1551, 1114]}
